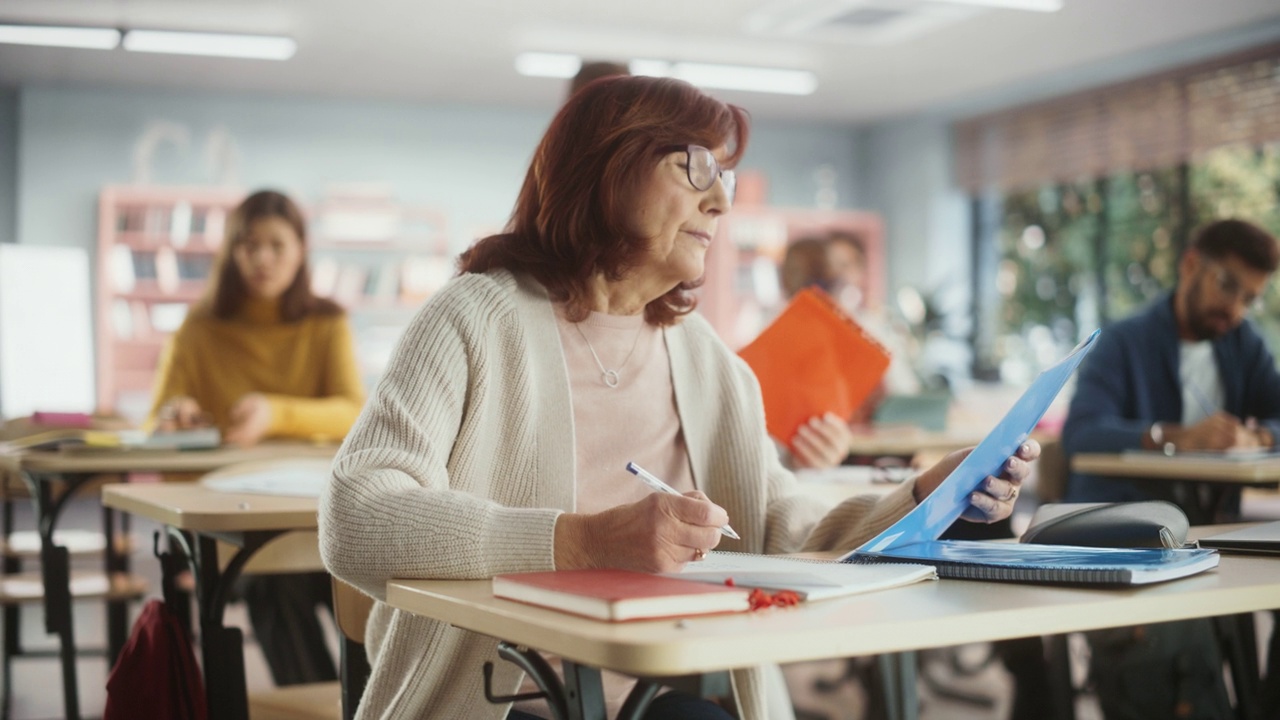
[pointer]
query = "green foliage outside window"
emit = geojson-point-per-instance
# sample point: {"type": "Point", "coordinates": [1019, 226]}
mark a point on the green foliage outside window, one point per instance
{"type": "Point", "coordinates": [1053, 241]}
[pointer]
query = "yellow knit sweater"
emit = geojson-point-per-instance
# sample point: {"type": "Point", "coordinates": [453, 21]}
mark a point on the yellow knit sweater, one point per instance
{"type": "Point", "coordinates": [306, 369]}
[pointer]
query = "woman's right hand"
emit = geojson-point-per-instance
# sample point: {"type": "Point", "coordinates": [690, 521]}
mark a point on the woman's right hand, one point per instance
{"type": "Point", "coordinates": [658, 534]}
{"type": "Point", "coordinates": [180, 413]}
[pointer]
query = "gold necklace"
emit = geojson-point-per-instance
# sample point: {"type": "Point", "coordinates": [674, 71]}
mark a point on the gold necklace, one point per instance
{"type": "Point", "coordinates": [609, 377]}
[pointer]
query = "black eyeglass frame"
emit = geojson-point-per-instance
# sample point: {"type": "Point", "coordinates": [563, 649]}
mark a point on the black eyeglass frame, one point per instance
{"type": "Point", "coordinates": [726, 175]}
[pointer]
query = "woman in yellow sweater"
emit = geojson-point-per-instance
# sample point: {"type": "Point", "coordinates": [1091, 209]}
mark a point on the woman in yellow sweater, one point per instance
{"type": "Point", "coordinates": [262, 357]}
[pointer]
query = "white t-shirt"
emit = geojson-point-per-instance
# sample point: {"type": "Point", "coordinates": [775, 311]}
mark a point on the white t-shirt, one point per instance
{"type": "Point", "coordinates": [1202, 393]}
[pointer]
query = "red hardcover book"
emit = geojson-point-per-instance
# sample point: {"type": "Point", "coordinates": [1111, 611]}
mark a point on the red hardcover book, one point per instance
{"type": "Point", "coordinates": [617, 595]}
{"type": "Point", "coordinates": [813, 359]}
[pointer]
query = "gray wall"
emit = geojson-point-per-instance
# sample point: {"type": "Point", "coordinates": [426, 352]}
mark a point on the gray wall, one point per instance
{"type": "Point", "coordinates": [8, 164]}
{"type": "Point", "coordinates": [905, 175]}
{"type": "Point", "coordinates": [467, 161]}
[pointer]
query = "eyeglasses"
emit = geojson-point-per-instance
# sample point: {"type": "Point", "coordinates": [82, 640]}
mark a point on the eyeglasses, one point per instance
{"type": "Point", "coordinates": [703, 168]}
{"type": "Point", "coordinates": [1230, 286]}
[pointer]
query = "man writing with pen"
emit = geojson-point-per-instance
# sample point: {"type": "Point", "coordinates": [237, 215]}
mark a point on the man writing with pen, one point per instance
{"type": "Point", "coordinates": [1188, 373]}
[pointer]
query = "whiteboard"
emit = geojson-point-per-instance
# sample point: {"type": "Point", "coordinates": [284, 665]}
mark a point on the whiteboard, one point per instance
{"type": "Point", "coordinates": [46, 340]}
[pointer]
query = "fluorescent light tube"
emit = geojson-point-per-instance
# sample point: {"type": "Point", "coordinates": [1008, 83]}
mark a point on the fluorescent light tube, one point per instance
{"type": "Point", "coordinates": [732, 77]}
{"type": "Point", "coordinates": [256, 47]}
{"type": "Point", "coordinates": [1031, 5]}
{"type": "Point", "coordinates": [552, 65]}
{"type": "Point", "coordinates": [651, 68]}
{"type": "Point", "coordinates": [89, 38]}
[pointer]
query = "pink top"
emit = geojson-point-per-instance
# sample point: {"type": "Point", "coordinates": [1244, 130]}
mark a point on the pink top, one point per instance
{"type": "Point", "coordinates": [633, 422]}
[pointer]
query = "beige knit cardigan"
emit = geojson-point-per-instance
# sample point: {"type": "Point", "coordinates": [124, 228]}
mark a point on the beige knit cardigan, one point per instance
{"type": "Point", "coordinates": [463, 458]}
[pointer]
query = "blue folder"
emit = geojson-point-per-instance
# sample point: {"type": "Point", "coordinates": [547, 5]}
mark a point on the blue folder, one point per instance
{"type": "Point", "coordinates": [914, 538]}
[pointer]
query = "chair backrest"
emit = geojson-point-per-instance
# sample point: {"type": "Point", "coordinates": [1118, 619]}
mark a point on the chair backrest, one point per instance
{"type": "Point", "coordinates": [1051, 472]}
{"type": "Point", "coordinates": [352, 610]}
{"type": "Point", "coordinates": [351, 607]}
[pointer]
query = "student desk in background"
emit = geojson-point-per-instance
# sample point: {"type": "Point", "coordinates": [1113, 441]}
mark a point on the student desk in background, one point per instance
{"type": "Point", "coordinates": [907, 440]}
{"type": "Point", "coordinates": [1219, 473]}
{"type": "Point", "coordinates": [923, 615]}
{"type": "Point", "coordinates": [197, 518]}
{"type": "Point", "coordinates": [45, 470]}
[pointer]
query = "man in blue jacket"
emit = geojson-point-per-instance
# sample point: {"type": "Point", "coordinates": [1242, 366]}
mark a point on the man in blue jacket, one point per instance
{"type": "Point", "coordinates": [1187, 373]}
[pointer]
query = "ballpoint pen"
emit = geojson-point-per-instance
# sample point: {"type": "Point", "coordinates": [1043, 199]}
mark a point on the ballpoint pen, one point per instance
{"type": "Point", "coordinates": [655, 483]}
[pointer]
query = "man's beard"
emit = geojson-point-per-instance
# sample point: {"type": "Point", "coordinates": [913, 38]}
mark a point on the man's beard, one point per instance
{"type": "Point", "coordinates": [1199, 320]}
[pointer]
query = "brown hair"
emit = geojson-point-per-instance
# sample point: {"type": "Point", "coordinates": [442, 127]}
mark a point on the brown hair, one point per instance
{"type": "Point", "coordinates": [1255, 246]}
{"type": "Point", "coordinates": [806, 263]}
{"type": "Point", "coordinates": [568, 224]}
{"type": "Point", "coordinates": [227, 292]}
{"type": "Point", "coordinates": [592, 71]}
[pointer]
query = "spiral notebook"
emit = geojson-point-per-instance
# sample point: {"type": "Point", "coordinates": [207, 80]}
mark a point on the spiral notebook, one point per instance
{"type": "Point", "coordinates": [914, 538]}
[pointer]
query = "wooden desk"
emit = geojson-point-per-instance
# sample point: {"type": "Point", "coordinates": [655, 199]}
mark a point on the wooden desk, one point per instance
{"type": "Point", "coordinates": [907, 440]}
{"type": "Point", "coordinates": [1263, 472]}
{"type": "Point", "coordinates": [1220, 475]}
{"type": "Point", "coordinates": [198, 518]}
{"type": "Point", "coordinates": [924, 615]}
{"type": "Point", "coordinates": [41, 470]}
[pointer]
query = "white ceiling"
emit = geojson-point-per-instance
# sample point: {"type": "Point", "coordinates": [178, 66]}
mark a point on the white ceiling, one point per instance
{"type": "Point", "coordinates": [463, 51]}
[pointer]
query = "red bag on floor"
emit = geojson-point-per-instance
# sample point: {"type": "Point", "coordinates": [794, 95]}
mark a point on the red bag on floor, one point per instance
{"type": "Point", "coordinates": [156, 677]}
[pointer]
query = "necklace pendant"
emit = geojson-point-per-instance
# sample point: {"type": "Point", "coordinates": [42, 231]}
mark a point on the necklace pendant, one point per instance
{"type": "Point", "coordinates": [610, 378]}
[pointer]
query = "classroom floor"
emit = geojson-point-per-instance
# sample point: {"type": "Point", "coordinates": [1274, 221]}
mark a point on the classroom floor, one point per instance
{"type": "Point", "coordinates": [37, 687]}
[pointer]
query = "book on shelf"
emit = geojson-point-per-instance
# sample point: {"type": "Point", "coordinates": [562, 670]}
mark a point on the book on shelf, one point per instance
{"type": "Point", "coordinates": [619, 595]}
{"type": "Point", "coordinates": [167, 317]}
{"type": "Point", "coordinates": [811, 579]}
{"type": "Point", "coordinates": [914, 538]}
{"type": "Point", "coordinates": [141, 321]}
{"type": "Point", "coordinates": [167, 276]}
{"type": "Point", "coordinates": [194, 266]}
{"type": "Point", "coordinates": [180, 223]}
{"type": "Point", "coordinates": [144, 265]}
{"type": "Point", "coordinates": [813, 359]}
{"type": "Point", "coordinates": [120, 263]}
{"type": "Point", "coordinates": [214, 225]}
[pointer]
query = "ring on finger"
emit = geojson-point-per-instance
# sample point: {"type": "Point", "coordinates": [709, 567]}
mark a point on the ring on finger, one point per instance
{"type": "Point", "coordinates": [699, 554]}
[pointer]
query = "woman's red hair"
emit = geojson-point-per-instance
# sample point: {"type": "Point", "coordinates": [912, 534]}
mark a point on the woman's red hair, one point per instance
{"type": "Point", "coordinates": [568, 224]}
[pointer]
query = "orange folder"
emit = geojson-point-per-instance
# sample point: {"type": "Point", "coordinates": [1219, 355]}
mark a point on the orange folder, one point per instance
{"type": "Point", "coordinates": [813, 359]}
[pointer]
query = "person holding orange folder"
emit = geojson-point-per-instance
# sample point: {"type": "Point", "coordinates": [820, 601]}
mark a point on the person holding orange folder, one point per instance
{"type": "Point", "coordinates": [567, 346]}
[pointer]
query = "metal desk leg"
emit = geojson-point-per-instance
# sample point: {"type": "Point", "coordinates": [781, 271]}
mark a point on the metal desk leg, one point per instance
{"type": "Point", "coordinates": [116, 563]}
{"type": "Point", "coordinates": [222, 647]}
{"type": "Point", "coordinates": [1240, 646]}
{"type": "Point", "coordinates": [899, 670]}
{"type": "Point", "coordinates": [55, 567]}
{"type": "Point", "coordinates": [583, 691]}
{"type": "Point", "coordinates": [1064, 694]}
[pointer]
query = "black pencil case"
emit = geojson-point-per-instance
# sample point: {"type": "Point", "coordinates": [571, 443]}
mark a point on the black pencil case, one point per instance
{"type": "Point", "coordinates": [1151, 523]}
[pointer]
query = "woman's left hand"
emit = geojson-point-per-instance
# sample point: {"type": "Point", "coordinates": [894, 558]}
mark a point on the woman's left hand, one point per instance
{"type": "Point", "coordinates": [821, 442]}
{"type": "Point", "coordinates": [993, 500]}
{"type": "Point", "coordinates": [249, 419]}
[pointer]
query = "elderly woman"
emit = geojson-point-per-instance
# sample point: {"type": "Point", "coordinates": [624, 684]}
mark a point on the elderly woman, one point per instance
{"type": "Point", "coordinates": [566, 347]}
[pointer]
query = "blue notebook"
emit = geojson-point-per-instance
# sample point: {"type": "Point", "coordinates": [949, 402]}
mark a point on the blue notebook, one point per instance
{"type": "Point", "coordinates": [914, 538]}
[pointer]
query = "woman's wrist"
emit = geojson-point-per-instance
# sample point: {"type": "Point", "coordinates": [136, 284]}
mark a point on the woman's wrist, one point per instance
{"type": "Point", "coordinates": [572, 538]}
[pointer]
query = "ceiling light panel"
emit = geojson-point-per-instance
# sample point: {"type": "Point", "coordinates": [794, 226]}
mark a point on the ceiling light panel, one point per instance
{"type": "Point", "coordinates": [552, 65]}
{"type": "Point", "coordinates": [256, 47]}
{"type": "Point", "coordinates": [731, 77]}
{"type": "Point", "coordinates": [56, 36]}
